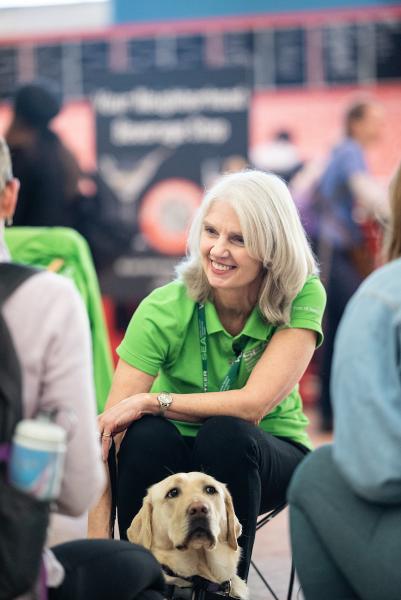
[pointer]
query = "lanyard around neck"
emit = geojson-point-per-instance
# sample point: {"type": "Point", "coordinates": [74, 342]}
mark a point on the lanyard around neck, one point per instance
{"type": "Point", "coordinates": [232, 374]}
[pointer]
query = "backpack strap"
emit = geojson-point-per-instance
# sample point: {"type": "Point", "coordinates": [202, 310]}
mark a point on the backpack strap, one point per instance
{"type": "Point", "coordinates": [11, 276]}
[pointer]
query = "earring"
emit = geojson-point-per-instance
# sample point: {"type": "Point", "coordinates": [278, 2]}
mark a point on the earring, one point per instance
{"type": "Point", "coordinates": [9, 221]}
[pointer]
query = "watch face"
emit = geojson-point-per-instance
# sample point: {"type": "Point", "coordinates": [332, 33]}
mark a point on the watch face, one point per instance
{"type": "Point", "coordinates": [164, 399]}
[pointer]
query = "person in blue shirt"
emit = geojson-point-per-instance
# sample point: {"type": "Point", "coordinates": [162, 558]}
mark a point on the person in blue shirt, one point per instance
{"type": "Point", "coordinates": [346, 195]}
{"type": "Point", "coordinates": [345, 499]}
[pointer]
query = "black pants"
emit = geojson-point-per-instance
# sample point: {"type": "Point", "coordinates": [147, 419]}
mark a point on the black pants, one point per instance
{"type": "Point", "coordinates": [342, 284]}
{"type": "Point", "coordinates": [105, 569]}
{"type": "Point", "coordinates": [255, 465]}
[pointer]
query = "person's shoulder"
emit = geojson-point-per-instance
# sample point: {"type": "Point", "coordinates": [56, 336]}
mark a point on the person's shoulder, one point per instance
{"type": "Point", "coordinates": [163, 315]}
{"type": "Point", "coordinates": [387, 271]}
{"type": "Point", "coordinates": [50, 291]}
{"type": "Point", "coordinates": [169, 303]}
{"type": "Point", "coordinates": [44, 308]}
{"type": "Point", "coordinates": [349, 145]}
{"type": "Point", "coordinates": [377, 300]}
{"type": "Point", "coordinates": [384, 284]}
{"type": "Point", "coordinates": [351, 152]}
{"type": "Point", "coordinates": [312, 288]}
{"type": "Point", "coordinates": [313, 281]}
{"type": "Point", "coordinates": [51, 283]}
{"type": "Point", "coordinates": [310, 301]}
{"type": "Point", "coordinates": [347, 149]}
{"type": "Point", "coordinates": [171, 295]}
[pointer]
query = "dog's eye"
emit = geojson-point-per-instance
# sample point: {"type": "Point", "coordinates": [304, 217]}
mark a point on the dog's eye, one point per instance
{"type": "Point", "coordinates": [173, 493]}
{"type": "Point", "coordinates": [210, 489]}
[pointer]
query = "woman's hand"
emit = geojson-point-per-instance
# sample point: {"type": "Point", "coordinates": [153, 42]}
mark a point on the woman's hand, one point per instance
{"type": "Point", "coordinates": [121, 415]}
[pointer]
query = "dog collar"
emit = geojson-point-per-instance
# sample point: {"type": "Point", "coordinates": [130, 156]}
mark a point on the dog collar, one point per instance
{"type": "Point", "coordinates": [200, 583]}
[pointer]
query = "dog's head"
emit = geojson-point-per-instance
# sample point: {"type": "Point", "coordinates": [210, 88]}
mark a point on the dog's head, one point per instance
{"type": "Point", "coordinates": [186, 510]}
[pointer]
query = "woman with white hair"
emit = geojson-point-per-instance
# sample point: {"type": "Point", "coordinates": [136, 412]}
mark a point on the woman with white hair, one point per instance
{"type": "Point", "coordinates": [210, 363]}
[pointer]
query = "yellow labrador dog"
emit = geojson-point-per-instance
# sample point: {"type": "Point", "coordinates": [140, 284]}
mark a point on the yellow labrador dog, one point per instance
{"type": "Point", "coordinates": [188, 522]}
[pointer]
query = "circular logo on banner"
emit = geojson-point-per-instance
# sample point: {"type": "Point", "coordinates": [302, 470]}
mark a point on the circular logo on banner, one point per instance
{"type": "Point", "coordinates": [166, 213]}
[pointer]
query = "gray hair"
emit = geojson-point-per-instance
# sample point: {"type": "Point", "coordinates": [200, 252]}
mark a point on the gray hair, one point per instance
{"type": "Point", "coordinates": [273, 234]}
{"type": "Point", "coordinates": [6, 172]}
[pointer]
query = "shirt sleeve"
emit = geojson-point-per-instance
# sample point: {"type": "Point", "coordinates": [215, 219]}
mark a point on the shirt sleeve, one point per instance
{"type": "Point", "coordinates": [145, 345]}
{"type": "Point", "coordinates": [68, 386]}
{"type": "Point", "coordinates": [365, 389]}
{"type": "Point", "coordinates": [308, 308]}
{"type": "Point", "coordinates": [49, 326]}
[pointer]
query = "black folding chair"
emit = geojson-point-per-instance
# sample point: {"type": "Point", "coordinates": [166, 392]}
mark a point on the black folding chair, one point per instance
{"type": "Point", "coordinates": [263, 520]}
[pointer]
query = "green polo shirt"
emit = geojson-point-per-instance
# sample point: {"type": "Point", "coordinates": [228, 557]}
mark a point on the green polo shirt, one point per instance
{"type": "Point", "coordinates": [162, 340]}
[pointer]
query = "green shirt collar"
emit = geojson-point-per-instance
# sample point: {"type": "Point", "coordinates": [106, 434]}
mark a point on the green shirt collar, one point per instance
{"type": "Point", "coordinates": [255, 327]}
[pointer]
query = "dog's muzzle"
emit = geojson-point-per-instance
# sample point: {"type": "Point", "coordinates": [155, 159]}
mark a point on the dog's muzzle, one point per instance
{"type": "Point", "coordinates": [198, 528]}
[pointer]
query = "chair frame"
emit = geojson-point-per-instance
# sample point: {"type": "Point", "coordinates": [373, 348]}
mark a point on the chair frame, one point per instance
{"type": "Point", "coordinates": [263, 520]}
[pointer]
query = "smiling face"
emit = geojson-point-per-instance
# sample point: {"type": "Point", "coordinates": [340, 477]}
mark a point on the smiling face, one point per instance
{"type": "Point", "coordinates": [225, 260]}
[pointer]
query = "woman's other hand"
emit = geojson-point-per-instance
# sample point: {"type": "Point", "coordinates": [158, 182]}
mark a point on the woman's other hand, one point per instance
{"type": "Point", "coordinates": [118, 417]}
{"type": "Point", "coordinates": [129, 388]}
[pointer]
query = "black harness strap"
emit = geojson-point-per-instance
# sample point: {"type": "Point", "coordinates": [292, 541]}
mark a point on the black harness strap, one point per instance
{"type": "Point", "coordinates": [200, 588]}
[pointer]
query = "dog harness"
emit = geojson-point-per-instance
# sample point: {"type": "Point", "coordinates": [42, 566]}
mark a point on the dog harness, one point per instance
{"type": "Point", "coordinates": [200, 588]}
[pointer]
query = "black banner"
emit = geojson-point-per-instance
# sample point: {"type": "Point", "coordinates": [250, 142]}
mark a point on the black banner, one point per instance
{"type": "Point", "coordinates": [160, 140]}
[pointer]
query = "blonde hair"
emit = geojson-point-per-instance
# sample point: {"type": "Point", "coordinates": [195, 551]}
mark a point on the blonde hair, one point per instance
{"type": "Point", "coordinates": [393, 242]}
{"type": "Point", "coordinates": [6, 172]}
{"type": "Point", "coordinates": [272, 233]}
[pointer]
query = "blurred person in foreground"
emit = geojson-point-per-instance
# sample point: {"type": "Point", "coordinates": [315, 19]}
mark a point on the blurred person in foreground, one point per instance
{"type": "Point", "coordinates": [50, 332]}
{"type": "Point", "coordinates": [345, 196]}
{"type": "Point", "coordinates": [345, 499]}
{"type": "Point", "coordinates": [47, 171]}
{"type": "Point", "coordinates": [209, 366]}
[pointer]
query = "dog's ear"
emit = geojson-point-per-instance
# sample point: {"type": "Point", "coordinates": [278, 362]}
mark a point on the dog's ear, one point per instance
{"type": "Point", "coordinates": [140, 530]}
{"type": "Point", "coordinates": [234, 528]}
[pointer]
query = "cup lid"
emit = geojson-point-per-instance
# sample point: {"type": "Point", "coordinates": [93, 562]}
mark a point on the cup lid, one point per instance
{"type": "Point", "coordinates": [41, 430]}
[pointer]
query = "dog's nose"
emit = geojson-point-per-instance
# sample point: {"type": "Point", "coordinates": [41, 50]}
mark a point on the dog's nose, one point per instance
{"type": "Point", "coordinates": [197, 509]}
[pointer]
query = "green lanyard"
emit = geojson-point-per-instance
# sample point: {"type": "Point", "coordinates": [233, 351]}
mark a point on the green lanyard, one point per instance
{"type": "Point", "coordinates": [231, 376]}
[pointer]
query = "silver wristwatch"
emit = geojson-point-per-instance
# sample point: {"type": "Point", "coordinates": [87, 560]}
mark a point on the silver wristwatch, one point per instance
{"type": "Point", "coordinates": [164, 399]}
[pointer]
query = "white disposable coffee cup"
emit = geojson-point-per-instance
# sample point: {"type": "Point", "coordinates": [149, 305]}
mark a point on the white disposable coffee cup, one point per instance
{"type": "Point", "coordinates": [37, 458]}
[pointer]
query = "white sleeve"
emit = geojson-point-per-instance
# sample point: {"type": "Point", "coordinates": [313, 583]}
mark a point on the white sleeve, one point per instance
{"type": "Point", "coordinates": [370, 195]}
{"type": "Point", "coordinates": [69, 387]}
{"type": "Point", "coordinates": [50, 330]}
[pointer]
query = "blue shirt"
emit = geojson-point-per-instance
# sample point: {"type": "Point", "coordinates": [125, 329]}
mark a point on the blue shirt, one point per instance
{"type": "Point", "coordinates": [366, 388]}
{"type": "Point", "coordinates": [338, 225]}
